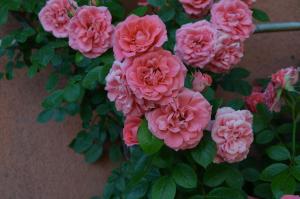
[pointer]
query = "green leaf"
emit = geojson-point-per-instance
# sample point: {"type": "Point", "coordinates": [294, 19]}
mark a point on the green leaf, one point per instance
{"type": "Point", "coordinates": [238, 73]}
{"type": "Point", "coordinates": [260, 15]}
{"type": "Point", "coordinates": [3, 15]}
{"type": "Point", "coordinates": [259, 123]}
{"type": "Point", "coordinates": [53, 100]}
{"type": "Point", "coordinates": [285, 128]}
{"type": "Point", "coordinates": [215, 175]}
{"type": "Point", "coordinates": [72, 92]}
{"type": "Point", "coordinates": [164, 188]}
{"type": "Point", "coordinates": [263, 190]}
{"type": "Point", "coordinates": [239, 86]}
{"type": "Point", "coordinates": [103, 73]}
{"type": "Point", "coordinates": [91, 79]}
{"type": "Point", "coordinates": [278, 153]}
{"type": "Point", "coordinates": [225, 193]}
{"type": "Point", "coordinates": [148, 142]}
{"type": "Point", "coordinates": [93, 153]}
{"type": "Point", "coordinates": [82, 142]}
{"type": "Point", "coordinates": [140, 11]}
{"type": "Point", "coordinates": [209, 93]}
{"type": "Point", "coordinates": [234, 178]}
{"type": "Point", "coordinates": [32, 71]}
{"type": "Point", "coordinates": [23, 34]}
{"type": "Point", "coordinates": [115, 153]}
{"type": "Point", "coordinates": [283, 184]}
{"type": "Point", "coordinates": [52, 82]}
{"type": "Point", "coordinates": [295, 170]}
{"type": "Point", "coordinates": [166, 13]}
{"type": "Point", "coordinates": [115, 9]}
{"type": "Point", "coordinates": [45, 116]}
{"type": "Point", "coordinates": [156, 3]}
{"type": "Point", "coordinates": [273, 170]}
{"type": "Point", "coordinates": [236, 104]}
{"type": "Point", "coordinates": [205, 152]}
{"type": "Point", "coordinates": [265, 137]}
{"type": "Point", "coordinates": [184, 176]}
{"type": "Point", "coordinates": [297, 159]}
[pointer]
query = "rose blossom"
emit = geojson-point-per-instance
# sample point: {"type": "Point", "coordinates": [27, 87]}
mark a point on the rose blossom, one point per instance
{"type": "Point", "coordinates": [201, 81]}
{"type": "Point", "coordinates": [196, 43]}
{"type": "Point", "coordinates": [142, 2]}
{"type": "Point", "coordinates": [130, 130]}
{"type": "Point", "coordinates": [137, 35]}
{"type": "Point", "coordinates": [233, 17]}
{"type": "Point", "coordinates": [181, 122]}
{"type": "Point", "coordinates": [228, 53]}
{"type": "Point", "coordinates": [271, 99]}
{"type": "Point", "coordinates": [90, 31]}
{"type": "Point", "coordinates": [286, 77]}
{"type": "Point", "coordinates": [119, 92]}
{"type": "Point", "coordinates": [232, 132]}
{"type": "Point", "coordinates": [54, 17]}
{"type": "Point", "coordinates": [196, 8]}
{"type": "Point", "coordinates": [290, 197]}
{"type": "Point", "coordinates": [254, 99]}
{"type": "Point", "coordinates": [156, 76]}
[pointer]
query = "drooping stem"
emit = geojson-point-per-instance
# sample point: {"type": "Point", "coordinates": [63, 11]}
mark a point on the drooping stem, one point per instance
{"type": "Point", "coordinates": [294, 133]}
{"type": "Point", "coordinates": [277, 27]}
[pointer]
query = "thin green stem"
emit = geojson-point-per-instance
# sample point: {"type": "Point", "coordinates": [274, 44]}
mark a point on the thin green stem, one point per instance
{"type": "Point", "coordinates": [294, 133]}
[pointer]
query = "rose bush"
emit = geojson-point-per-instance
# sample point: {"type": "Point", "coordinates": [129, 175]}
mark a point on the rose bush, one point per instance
{"type": "Point", "coordinates": [144, 84]}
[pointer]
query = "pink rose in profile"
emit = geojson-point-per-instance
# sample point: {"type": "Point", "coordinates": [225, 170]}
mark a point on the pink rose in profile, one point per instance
{"type": "Point", "coordinates": [201, 81]}
{"type": "Point", "coordinates": [228, 53]}
{"type": "Point", "coordinates": [156, 76]}
{"type": "Point", "coordinates": [54, 17]}
{"type": "Point", "coordinates": [196, 8]}
{"type": "Point", "coordinates": [119, 92]}
{"type": "Point", "coordinates": [90, 31]}
{"type": "Point", "coordinates": [232, 132]}
{"type": "Point", "coordinates": [271, 99]}
{"type": "Point", "coordinates": [290, 197]}
{"type": "Point", "coordinates": [196, 43]}
{"type": "Point", "coordinates": [254, 99]}
{"type": "Point", "coordinates": [233, 17]}
{"type": "Point", "coordinates": [130, 130]}
{"type": "Point", "coordinates": [286, 78]}
{"type": "Point", "coordinates": [137, 35]}
{"type": "Point", "coordinates": [181, 122]}
{"type": "Point", "coordinates": [249, 2]}
{"type": "Point", "coordinates": [142, 2]}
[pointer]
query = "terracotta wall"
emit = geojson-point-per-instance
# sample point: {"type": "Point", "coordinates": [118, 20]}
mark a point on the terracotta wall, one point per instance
{"type": "Point", "coordinates": [35, 162]}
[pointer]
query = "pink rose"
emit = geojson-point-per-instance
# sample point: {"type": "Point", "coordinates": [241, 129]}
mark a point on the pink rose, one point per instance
{"type": "Point", "coordinates": [130, 130]}
{"type": "Point", "coordinates": [54, 17]}
{"type": "Point", "coordinates": [156, 76]}
{"type": "Point", "coordinates": [271, 99]}
{"type": "Point", "coordinates": [254, 99]}
{"type": "Point", "coordinates": [137, 35]}
{"type": "Point", "coordinates": [119, 92]}
{"type": "Point", "coordinates": [201, 81]}
{"type": "Point", "coordinates": [249, 2]}
{"type": "Point", "coordinates": [196, 8]}
{"type": "Point", "coordinates": [228, 53]}
{"type": "Point", "coordinates": [181, 122]}
{"type": "Point", "coordinates": [90, 31]}
{"type": "Point", "coordinates": [142, 2]}
{"type": "Point", "coordinates": [286, 78]}
{"type": "Point", "coordinates": [196, 43]}
{"type": "Point", "coordinates": [232, 132]}
{"type": "Point", "coordinates": [233, 17]}
{"type": "Point", "coordinates": [290, 197]}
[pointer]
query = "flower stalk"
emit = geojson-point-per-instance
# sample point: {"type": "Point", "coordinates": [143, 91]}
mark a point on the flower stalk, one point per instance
{"type": "Point", "coordinates": [277, 27]}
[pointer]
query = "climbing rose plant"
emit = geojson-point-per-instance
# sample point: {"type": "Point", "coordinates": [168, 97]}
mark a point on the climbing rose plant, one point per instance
{"type": "Point", "coordinates": [144, 85]}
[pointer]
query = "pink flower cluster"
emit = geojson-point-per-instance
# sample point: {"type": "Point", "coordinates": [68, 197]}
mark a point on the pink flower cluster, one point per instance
{"type": "Point", "coordinates": [148, 80]}
{"type": "Point", "coordinates": [283, 79]}
{"type": "Point", "coordinates": [89, 30]}
{"type": "Point", "coordinates": [215, 45]}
